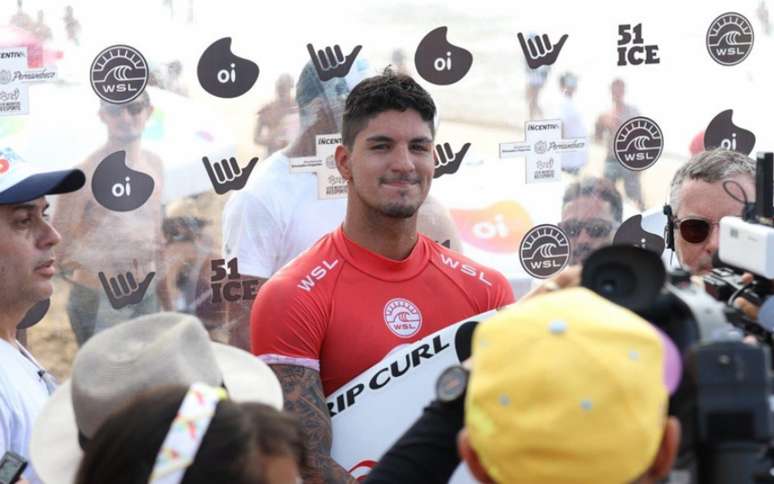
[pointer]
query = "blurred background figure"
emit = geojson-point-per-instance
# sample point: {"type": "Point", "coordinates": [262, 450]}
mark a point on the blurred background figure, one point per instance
{"type": "Point", "coordinates": [97, 239]}
{"type": "Point", "coordinates": [536, 79]}
{"type": "Point", "coordinates": [572, 124]}
{"type": "Point", "coordinates": [763, 15]}
{"type": "Point", "coordinates": [592, 211]}
{"type": "Point", "coordinates": [604, 132]}
{"type": "Point", "coordinates": [398, 60]}
{"type": "Point", "coordinates": [40, 29]}
{"type": "Point", "coordinates": [21, 19]}
{"type": "Point", "coordinates": [72, 26]}
{"type": "Point", "coordinates": [277, 122]}
{"type": "Point", "coordinates": [185, 285]}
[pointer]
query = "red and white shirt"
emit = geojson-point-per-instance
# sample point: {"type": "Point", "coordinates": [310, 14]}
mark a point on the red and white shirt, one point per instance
{"type": "Point", "coordinates": [339, 308]}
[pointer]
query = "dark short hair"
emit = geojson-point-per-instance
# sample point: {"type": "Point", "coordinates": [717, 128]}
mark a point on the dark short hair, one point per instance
{"type": "Point", "coordinates": [596, 187]}
{"type": "Point", "coordinates": [124, 449]}
{"type": "Point", "coordinates": [385, 92]}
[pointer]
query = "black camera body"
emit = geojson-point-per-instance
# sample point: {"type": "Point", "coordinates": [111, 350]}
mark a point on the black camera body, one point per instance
{"type": "Point", "coordinates": [722, 401]}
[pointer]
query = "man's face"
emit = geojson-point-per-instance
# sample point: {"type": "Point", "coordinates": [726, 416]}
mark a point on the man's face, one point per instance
{"type": "Point", "coordinates": [26, 255]}
{"type": "Point", "coordinates": [126, 122]}
{"type": "Point", "coordinates": [588, 222]}
{"type": "Point", "coordinates": [391, 164]}
{"type": "Point", "coordinates": [709, 202]}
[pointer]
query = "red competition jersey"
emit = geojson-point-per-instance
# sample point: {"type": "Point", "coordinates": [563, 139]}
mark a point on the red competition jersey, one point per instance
{"type": "Point", "coordinates": [339, 308]}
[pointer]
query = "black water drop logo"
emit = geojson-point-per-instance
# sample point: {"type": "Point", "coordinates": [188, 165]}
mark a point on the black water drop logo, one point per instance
{"type": "Point", "coordinates": [119, 188]}
{"type": "Point", "coordinates": [440, 62]}
{"type": "Point", "coordinates": [722, 132]}
{"type": "Point", "coordinates": [223, 74]}
{"type": "Point", "coordinates": [631, 233]}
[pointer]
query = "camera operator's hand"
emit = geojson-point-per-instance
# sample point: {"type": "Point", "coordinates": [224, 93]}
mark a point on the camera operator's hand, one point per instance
{"type": "Point", "coordinates": [749, 309]}
{"type": "Point", "coordinates": [569, 277]}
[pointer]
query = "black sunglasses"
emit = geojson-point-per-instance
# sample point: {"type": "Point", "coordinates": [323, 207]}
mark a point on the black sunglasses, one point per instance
{"type": "Point", "coordinates": [694, 230]}
{"type": "Point", "coordinates": [596, 229]}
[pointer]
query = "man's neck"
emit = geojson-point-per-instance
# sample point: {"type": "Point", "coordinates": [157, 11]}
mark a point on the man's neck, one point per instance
{"type": "Point", "coordinates": [389, 237]}
{"type": "Point", "coordinates": [9, 319]}
{"type": "Point", "coordinates": [132, 148]}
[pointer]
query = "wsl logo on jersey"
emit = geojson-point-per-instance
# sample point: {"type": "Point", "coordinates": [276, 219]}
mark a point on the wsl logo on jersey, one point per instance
{"type": "Point", "coordinates": [730, 39]}
{"type": "Point", "coordinates": [119, 74]}
{"type": "Point", "coordinates": [544, 250]}
{"type": "Point", "coordinates": [402, 317]}
{"type": "Point", "coordinates": [638, 143]}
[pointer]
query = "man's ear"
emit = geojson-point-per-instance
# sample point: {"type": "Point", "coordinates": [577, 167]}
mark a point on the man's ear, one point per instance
{"type": "Point", "coordinates": [468, 454]}
{"type": "Point", "coordinates": [343, 162]}
{"type": "Point", "coordinates": [667, 452]}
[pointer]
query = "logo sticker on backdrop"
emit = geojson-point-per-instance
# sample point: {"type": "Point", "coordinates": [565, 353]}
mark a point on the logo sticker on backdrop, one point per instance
{"type": "Point", "coordinates": [119, 188]}
{"type": "Point", "coordinates": [638, 143]}
{"type": "Point", "coordinates": [440, 62]}
{"type": "Point", "coordinates": [14, 94]}
{"type": "Point", "coordinates": [544, 251]}
{"type": "Point", "coordinates": [539, 50]}
{"type": "Point", "coordinates": [447, 162]}
{"type": "Point", "coordinates": [632, 49]}
{"type": "Point", "coordinates": [730, 39]}
{"type": "Point", "coordinates": [123, 290]}
{"type": "Point", "coordinates": [495, 228]}
{"type": "Point", "coordinates": [16, 66]}
{"type": "Point", "coordinates": [331, 62]}
{"type": "Point", "coordinates": [223, 74]}
{"type": "Point", "coordinates": [35, 314]}
{"type": "Point", "coordinates": [226, 175]}
{"type": "Point", "coordinates": [330, 183]}
{"type": "Point", "coordinates": [119, 74]}
{"type": "Point", "coordinates": [631, 233]}
{"type": "Point", "coordinates": [227, 284]}
{"type": "Point", "coordinates": [541, 148]}
{"type": "Point", "coordinates": [722, 132]}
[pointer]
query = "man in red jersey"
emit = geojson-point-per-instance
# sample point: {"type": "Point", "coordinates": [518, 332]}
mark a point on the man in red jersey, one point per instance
{"type": "Point", "coordinates": [375, 282]}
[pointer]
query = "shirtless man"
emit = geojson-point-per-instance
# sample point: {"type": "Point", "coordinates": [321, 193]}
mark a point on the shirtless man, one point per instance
{"type": "Point", "coordinates": [97, 239]}
{"type": "Point", "coordinates": [605, 129]}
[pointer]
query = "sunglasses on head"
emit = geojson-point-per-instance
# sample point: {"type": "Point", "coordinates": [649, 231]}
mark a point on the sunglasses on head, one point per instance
{"type": "Point", "coordinates": [596, 229]}
{"type": "Point", "coordinates": [694, 230]}
{"type": "Point", "coordinates": [133, 108]}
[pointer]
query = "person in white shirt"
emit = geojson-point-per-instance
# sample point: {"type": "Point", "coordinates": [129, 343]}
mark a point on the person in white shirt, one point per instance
{"type": "Point", "coordinates": [26, 268]}
{"type": "Point", "coordinates": [278, 214]}
{"type": "Point", "coordinates": [572, 124]}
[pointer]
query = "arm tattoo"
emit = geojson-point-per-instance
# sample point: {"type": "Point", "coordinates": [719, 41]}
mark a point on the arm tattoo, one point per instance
{"type": "Point", "coordinates": [302, 390]}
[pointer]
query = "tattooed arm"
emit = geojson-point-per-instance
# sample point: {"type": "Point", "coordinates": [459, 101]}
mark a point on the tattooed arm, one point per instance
{"type": "Point", "coordinates": [304, 398]}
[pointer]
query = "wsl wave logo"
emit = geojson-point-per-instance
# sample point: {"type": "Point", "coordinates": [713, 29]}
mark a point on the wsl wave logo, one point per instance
{"type": "Point", "coordinates": [544, 251]}
{"type": "Point", "coordinates": [638, 143]}
{"type": "Point", "coordinates": [119, 74]}
{"type": "Point", "coordinates": [402, 317]}
{"type": "Point", "coordinates": [730, 39]}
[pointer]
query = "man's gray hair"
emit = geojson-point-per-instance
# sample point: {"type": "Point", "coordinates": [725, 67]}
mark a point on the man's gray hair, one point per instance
{"type": "Point", "coordinates": [711, 166]}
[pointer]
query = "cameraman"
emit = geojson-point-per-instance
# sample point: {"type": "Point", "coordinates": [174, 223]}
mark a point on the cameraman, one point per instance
{"type": "Point", "coordinates": [698, 200]}
{"type": "Point", "coordinates": [595, 411]}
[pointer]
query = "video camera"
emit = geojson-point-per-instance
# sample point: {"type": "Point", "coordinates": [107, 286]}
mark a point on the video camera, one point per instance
{"type": "Point", "coordinates": [723, 399]}
{"type": "Point", "coordinates": [746, 244]}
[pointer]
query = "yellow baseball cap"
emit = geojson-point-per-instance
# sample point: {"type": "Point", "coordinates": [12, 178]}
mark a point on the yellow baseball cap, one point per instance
{"type": "Point", "coordinates": [568, 387]}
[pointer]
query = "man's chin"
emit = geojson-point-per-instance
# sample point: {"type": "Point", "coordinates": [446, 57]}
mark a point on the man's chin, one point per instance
{"type": "Point", "coordinates": [399, 211]}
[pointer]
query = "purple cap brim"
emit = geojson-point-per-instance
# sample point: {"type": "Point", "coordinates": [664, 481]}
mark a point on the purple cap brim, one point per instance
{"type": "Point", "coordinates": [673, 362]}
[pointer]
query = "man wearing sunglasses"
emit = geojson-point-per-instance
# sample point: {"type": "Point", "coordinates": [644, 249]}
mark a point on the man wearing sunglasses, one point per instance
{"type": "Point", "coordinates": [698, 200]}
{"type": "Point", "coordinates": [591, 212]}
{"type": "Point", "coordinates": [96, 239]}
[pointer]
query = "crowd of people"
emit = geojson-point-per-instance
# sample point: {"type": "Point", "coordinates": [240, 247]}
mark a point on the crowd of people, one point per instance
{"type": "Point", "coordinates": [340, 283]}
